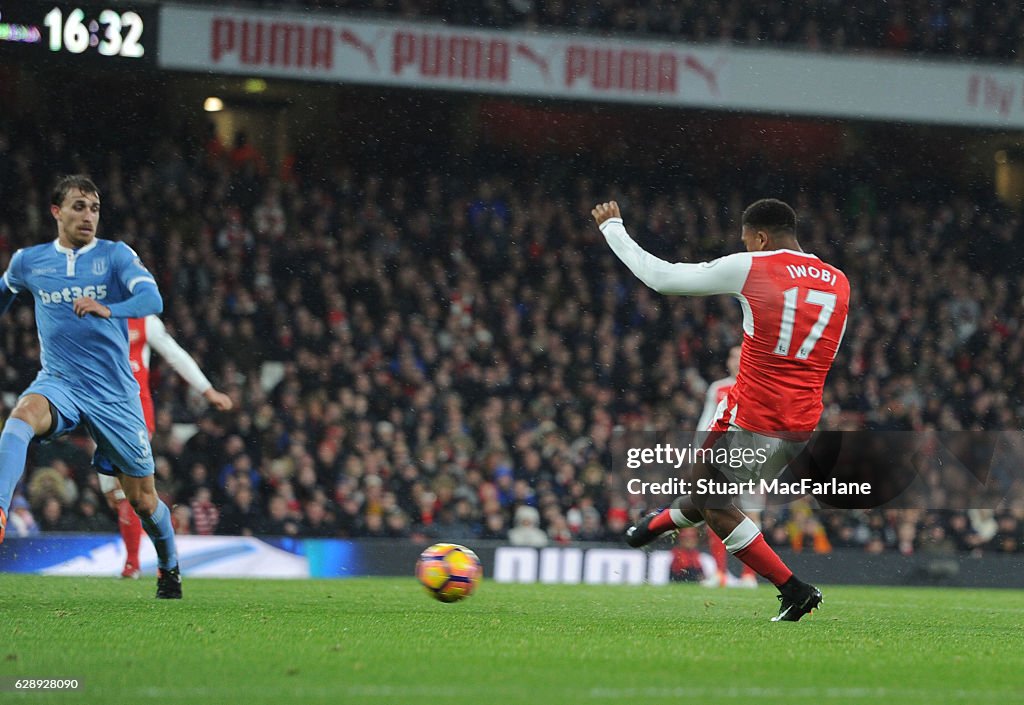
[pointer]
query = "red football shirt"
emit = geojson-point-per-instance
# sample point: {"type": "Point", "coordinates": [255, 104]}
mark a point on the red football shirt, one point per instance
{"type": "Point", "coordinates": [138, 358]}
{"type": "Point", "coordinates": [716, 394]}
{"type": "Point", "coordinates": [794, 317]}
{"type": "Point", "coordinates": [144, 336]}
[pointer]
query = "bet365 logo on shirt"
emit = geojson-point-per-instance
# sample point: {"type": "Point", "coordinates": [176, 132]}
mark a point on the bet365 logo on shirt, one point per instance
{"type": "Point", "coordinates": [68, 294]}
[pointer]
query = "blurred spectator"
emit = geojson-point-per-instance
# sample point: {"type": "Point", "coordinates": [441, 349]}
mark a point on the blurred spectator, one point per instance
{"type": "Point", "coordinates": [452, 524]}
{"type": "Point", "coordinates": [686, 566]}
{"type": "Point", "coordinates": [88, 516]}
{"type": "Point", "coordinates": [205, 514]}
{"type": "Point", "coordinates": [526, 531]}
{"type": "Point", "coordinates": [279, 520]}
{"type": "Point", "coordinates": [181, 520]}
{"type": "Point", "coordinates": [244, 154]}
{"type": "Point", "coordinates": [168, 486]}
{"type": "Point", "coordinates": [494, 527]}
{"type": "Point", "coordinates": [373, 527]}
{"type": "Point", "coordinates": [558, 530]}
{"type": "Point", "coordinates": [591, 529]}
{"type": "Point", "coordinates": [53, 518]}
{"type": "Point", "coordinates": [49, 482]}
{"type": "Point", "coordinates": [318, 522]}
{"type": "Point", "coordinates": [21, 522]}
{"type": "Point", "coordinates": [396, 524]}
{"type": "Point", "coordinates": [809, 535]}
{"type": "Point", "coordinates": [242, 516]}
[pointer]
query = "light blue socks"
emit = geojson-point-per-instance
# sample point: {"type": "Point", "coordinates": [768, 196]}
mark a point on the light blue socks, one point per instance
{"type": "Point", "coordinates": [13, 448]}
{"type": "Point", "coordinates": [159, 528]}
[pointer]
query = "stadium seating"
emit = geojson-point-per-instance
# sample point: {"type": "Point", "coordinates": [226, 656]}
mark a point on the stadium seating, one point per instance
{"type": "Point", "coordinates": [990, 31]}
{"type": "Point", "coordinates": [419, 354]}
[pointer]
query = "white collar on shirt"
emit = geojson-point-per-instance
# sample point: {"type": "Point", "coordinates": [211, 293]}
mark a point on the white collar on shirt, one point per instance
{"type": "Point", "coordinates": [68, 251]}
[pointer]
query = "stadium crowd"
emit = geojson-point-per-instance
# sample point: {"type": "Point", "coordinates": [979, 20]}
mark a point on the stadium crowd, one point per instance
{"type": "Point", "coordinates": [962, 28]}
{"type": "Point", "coordinates": [418, 354]}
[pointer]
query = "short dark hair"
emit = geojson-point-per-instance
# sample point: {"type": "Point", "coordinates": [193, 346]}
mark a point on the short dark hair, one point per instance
{"type": "Point", "coordinates": [771, 215]}
{"type": "Point", "coordinates": [80, 182]}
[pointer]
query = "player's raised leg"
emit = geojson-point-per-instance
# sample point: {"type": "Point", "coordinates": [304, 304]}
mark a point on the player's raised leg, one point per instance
{"type": "Point", "coordinates": [31, 417]}
{"type": "Point", "coordinates": [682, 513]}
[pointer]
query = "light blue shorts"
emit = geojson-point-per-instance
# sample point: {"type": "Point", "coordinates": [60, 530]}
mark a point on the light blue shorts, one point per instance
{"type": "Point", "coordinates": [118, 427]}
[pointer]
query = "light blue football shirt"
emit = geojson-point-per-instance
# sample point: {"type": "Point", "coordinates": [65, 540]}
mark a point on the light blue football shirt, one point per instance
{"type": "Point", "coordinates": [90, 353]}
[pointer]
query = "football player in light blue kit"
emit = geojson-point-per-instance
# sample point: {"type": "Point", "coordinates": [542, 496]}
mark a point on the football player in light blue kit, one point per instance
{"type": "Point", "coordinates": [85, 290]}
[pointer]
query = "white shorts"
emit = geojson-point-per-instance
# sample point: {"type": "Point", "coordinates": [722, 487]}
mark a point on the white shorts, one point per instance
{"type": "Point", "coordinates": [108, 483]}
{"type": "Point", "coordinates": [755, 456]}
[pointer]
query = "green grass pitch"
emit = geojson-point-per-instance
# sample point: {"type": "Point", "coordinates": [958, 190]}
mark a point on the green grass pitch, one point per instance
{"type": "Point", "coordinates": [386, 641]}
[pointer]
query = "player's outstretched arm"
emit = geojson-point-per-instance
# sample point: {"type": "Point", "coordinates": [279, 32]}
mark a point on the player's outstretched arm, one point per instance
{"type": "Point", "coordinates": [722, 276]}
{"type": "Point", "coordinates": [184, 364]}
{"type": "Point", "coordinates": [145, 300]}
{"type": "Point", "coordinates": [6, 296]}
{"type": "Point", "coordinates": [144, 296]}
{"type": "Point", "coordinates": [10, 283]}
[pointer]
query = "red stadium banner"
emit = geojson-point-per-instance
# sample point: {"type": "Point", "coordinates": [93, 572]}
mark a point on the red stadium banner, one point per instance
{"type": "Point", "coordinates": [331, 48]}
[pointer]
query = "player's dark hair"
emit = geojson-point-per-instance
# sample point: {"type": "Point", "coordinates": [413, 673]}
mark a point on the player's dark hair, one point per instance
{"type": "Point", "coordinates": [770, 215]}
{"type": "Point", "coordinates": [79, 182]}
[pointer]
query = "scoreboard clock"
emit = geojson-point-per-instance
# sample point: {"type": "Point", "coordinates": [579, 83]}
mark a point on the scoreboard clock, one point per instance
{"type": "Point", "coordinates": [110, 32]}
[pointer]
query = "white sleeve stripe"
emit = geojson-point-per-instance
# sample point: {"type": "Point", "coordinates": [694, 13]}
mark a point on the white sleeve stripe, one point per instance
{"type": "Point", "coordinates": [748, 315]}
{"type": "Point", "coordinates": [842, 334]}
{"type": "Point", "coordinates": [137, 280]}
{"type": "Point", "coordinates": [8, 283]}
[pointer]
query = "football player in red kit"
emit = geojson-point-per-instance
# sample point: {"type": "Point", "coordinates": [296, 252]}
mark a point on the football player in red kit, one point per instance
{"type": "Point", "coordinates": [144, 335]}
{"type": "Point", "coordinates": [794, 317]}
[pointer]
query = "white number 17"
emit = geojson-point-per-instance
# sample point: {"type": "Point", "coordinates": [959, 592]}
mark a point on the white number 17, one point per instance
{"type": "Point", "coordinates": [790, 299]}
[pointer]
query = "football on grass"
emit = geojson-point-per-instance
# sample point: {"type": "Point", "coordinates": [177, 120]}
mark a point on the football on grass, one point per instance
{"type": "Point", "coordinates": [449, 571]}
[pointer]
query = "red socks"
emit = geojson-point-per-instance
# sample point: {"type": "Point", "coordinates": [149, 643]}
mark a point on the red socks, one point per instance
{"type": "Point", "coordinates": [663, 522]}
{"type": "Point", "coordinates": [718, 552]}
{"type": "Point", "coordinates": [764, 561]}
{"type": "Point", "coordinates": [131, 530]}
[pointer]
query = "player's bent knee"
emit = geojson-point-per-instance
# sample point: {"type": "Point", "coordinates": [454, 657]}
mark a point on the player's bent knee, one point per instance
{"type": "Point", "coordinates": [141, 494]}
{"type": "Point", "coordinates": [144, 505]}
{"type": "Point", "coordinates": [34, 409]}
